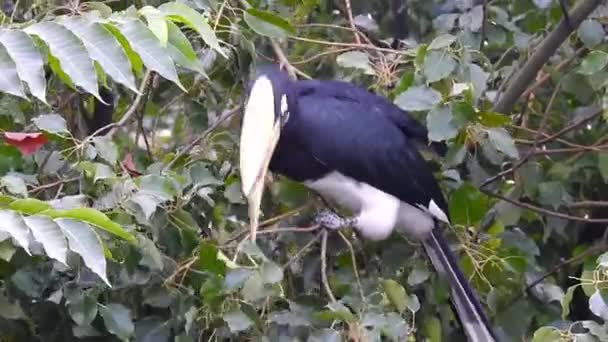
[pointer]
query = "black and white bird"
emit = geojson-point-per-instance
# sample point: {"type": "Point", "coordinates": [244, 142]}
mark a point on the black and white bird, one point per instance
{"type": "Point", "coordinates": [358, 151]}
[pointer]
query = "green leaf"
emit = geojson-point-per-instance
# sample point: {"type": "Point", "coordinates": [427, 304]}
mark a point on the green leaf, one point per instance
{"type": "Point", "coordinates": [153, 55]}
{"type": "Point", "coordinates": [493, 119]}
{"type": "Point", "coordinates": [208, 259]}
{"type": "Point", "coordinates": [49, 235]}
{"type": "Point", "coordinates": [463, 113]}
{"type": "Point", "coordinates": [467, 205]}
{"type": "Point", "coordinates": [156, 23]}
{"type": "Point", "coordinates": [253, 288]}
{"type": "Point", "coordinates": [438, 65]}
{"type": "Point", "coordinates": [182, 13]}
{"type": "Point", "coordinates": [551, 193]}
{"type": "Point", "coordinates": [83, 240]}
{"type": "Point", "coordinates": [439, 124]}
{"type": "Point", "coordinates": [29, 63]}
{"type": "Point", "coordinates": [598, 305]}
{"type": "Point", "coordinates": [546, 334]}
{"type": "Point", "coordinates": [181, 50]}
{"type": "Point", "coordinates": [395, 293]}
{"type": "Point", "coordinates": [418, 98]}
{"type": "Point", "coordinates": [106, 149]}
{"type": "Point", "coordinates": [602, 164]}
{"type": "Point", "coordinates": [591, 32]}
{"type": "Point", "coordinates": [70, 52]}
{"type": "Point", "coordinates": [502, 141]}
{"type": "Point", "coordinates": [29, 206]}
{"type": "Point", "coordinates": [357, 60]}
{"type": "Point", "coordinates": [14, 184]}
{"type": "Point", "coordinates": [268, 24]}
{"type": "Point", "coordinates": [103, 171]}
{"type": "Point", "coordinates": [117, 319]}
{"type": "Point", "coordinates": [12, 224]}
{"type": "Point", "coordinates": [103, 48]}
{"type": "Point", "coordinates": [418, 275]}
{"type": "Point", "coordinates": [337, 311]}
{"type": "Point", "coordinates": [594, 62]}
{"type": "Point", "coordinates": [95, 218]}
{"type": "Point", "coordinates": [271, 272]}
{"type": "Point", "coordinates": [237, 321]}
{"type": "Point", "coordinates": [52, 123]}
{"type": "Point", "coordinates": [442, 41]}
{"type": "Point", "coordinates": [84, 310]}
{"type": "Point", "coordinates": [566, 300]}
{"type": "Point", "coordinates": [432, 329]}
{"type": "Point", "coordinates": [9, 78]}
{"type": "Point", "coordinates": [235, 278]}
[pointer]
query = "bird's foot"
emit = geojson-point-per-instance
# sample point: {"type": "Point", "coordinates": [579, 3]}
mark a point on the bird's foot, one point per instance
{"type": "Point", "coordinates": [330, 220]}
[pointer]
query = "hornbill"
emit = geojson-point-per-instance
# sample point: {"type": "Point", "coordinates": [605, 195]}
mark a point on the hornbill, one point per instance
{"type": "Point", "coordinates": [357, 150]}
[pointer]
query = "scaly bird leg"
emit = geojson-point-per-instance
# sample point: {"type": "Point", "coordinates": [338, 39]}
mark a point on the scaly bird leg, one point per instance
{"type": "Point", "coordinates": [330, 220]}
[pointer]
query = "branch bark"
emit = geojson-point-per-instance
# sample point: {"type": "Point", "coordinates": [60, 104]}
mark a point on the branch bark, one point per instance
{"type": "Point", "coordinates": [543, 52]}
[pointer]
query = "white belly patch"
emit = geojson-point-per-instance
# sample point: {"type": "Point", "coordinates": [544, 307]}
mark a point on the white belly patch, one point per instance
{"type": "Point", "coordinates": [378, 213]}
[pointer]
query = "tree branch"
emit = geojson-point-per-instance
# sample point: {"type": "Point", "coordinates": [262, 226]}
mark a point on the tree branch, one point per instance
{"type": "Point", "coordinates": [542, 54]}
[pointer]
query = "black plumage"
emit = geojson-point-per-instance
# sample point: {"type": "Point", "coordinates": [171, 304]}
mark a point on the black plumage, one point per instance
{"type": "Point", "coordinates": [360, 149]}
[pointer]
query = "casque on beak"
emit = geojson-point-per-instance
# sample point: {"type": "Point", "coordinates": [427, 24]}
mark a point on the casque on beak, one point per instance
{"type": "Point", "coordinates": [260, 133]}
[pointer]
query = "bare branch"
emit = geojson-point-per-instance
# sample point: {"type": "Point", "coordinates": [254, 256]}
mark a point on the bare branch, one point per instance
{"type": "Point", "coordinates": [542, 54]}
{"type": "Point", "coordinates": [134, 106]}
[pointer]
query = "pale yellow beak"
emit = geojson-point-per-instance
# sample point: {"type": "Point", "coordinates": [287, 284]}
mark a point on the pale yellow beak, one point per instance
{"type": "Point", "coordinates": [259, 136]}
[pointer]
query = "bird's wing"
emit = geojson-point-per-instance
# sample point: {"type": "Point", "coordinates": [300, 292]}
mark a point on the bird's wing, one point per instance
{"type": "Point", "coordinates": [353, 139]}
{"type": "Point", "coordinates": [345, 91]}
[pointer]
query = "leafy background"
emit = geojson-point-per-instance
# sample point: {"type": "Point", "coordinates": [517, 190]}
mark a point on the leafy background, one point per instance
{"type": "Point", "coordinates": [121, 216]}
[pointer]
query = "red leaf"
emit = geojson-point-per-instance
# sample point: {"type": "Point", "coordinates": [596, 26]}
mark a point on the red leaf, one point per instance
{"type": "Point", "coordinates": [128, 163]}
{"type": "Point", "coordinates": [27, 143]}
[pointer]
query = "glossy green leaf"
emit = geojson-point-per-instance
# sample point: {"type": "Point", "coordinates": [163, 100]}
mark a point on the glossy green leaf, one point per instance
{"type": "Point", "coordinates": [29, 206]}
{"type": "Point", "coordinates": [182, 13]}
{"type": "Point", "coordinates": [27, 58]}
{"type": "Point", "coordinates": [418, 98]}
{"type": "Point", "coordinates": [70, 52]}
{"type": "Point", "coordinates": [267, 23]}
{"type": "Point", "coordinates": [153, 55]}
{"type": "Point", "coordinates": [49, 235]}
{"type": "Point", "coordinates": [12, 223]}
{"type": "Point", "coordinates": [104, 49]}
{"type": "Point", "coordinates": [156, 23]}
{"type": "Point", "coordinates": [395, 293]}
{"type": "Point", "coordinates": [118, 320]}
{"type": "Point", "coordinates": [9, 77]}
{"type": "Point", "coordinates": [467, 205]}
{"type": "Point", "coordinates": [93, 217]}
{"type": "Point", "coordinates": [593, 62]}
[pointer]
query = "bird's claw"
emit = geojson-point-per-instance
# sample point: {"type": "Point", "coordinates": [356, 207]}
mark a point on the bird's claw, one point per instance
{"type": "Point", "coordinates": [330, 220]}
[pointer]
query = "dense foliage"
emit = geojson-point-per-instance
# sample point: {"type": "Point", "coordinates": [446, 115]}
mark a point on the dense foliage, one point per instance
{"type": "Point", "coordinates": [121, 214]}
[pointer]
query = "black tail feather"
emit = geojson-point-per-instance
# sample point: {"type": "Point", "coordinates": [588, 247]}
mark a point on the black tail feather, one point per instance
{"type": "Point", "coordinates": [469, 311]}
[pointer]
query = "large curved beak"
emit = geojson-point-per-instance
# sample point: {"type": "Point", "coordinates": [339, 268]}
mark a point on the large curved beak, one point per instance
{"type": "Point", "coordinates": [259, 136]}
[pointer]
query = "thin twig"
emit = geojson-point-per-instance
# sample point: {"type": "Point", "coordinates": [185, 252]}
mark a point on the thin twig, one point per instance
{"type": "Point", "coordinates": [324, 280]}
{"type": "Point", "coordinates": [600, 247]}
{"type": "Point", "coordinates": [204, 135]}
{"type": "Point", "coordinates": [541, 80]}
{"type": "Point", "coordinates": [543, 211]}
{"type": "Point", "coordinates": [354, 262]}
{"type": "Point", "coordinates": [349, 12]}
{"type": "Point", "coordinates": [594, 111]}
{"type": "Point", "coordinates": [134, 106]}
{"type": "Point", "coordinates": [351, 45]}
{"type": "Point", "coordinates": [587, 204]}
{"type": "Point", "coordinates": [284, 62]}
{"type": "Point", "coordinates": [54, 184]}
{"type": "Point", "coordinates": [302, 250]}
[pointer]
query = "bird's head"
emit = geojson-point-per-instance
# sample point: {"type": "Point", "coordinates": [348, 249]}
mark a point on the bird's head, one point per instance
{"type": "Point", "coordinates": [267, 109]}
